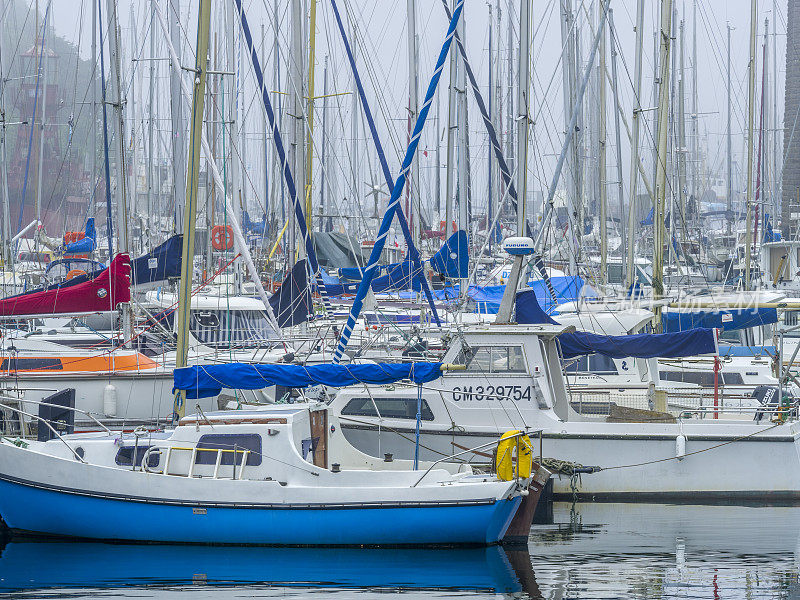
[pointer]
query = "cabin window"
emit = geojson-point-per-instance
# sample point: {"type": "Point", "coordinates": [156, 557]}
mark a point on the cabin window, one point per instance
{"type": "Point", "coordinates": [125, 454]}
{"type": "Point", "coordinates": [31, 364]}
{"type": "Point", "coordinates": [595, 364]}
{"type": "Point", "coordinates": [703, 378]}
{"type": "Point", "coordinates": [206, 318]}
{"type": "Point", "coordinates": [493, 359]}
{"type": "Point", "coordinates": [390, 408]}
{"type": "Point", "coordinates": [229, 441]}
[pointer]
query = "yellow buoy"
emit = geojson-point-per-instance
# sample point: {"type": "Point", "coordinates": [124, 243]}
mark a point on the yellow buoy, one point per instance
{"type": "Point", "coordinates": [514, 449]}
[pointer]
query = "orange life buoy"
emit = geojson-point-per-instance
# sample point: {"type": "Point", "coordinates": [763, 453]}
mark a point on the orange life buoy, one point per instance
{"type": "Point", "coordinates": [75, 273]}
{"type": "Point", "coordinates": [222, 237]}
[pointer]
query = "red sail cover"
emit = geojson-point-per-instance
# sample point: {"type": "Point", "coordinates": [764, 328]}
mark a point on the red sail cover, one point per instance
{"type": "Point", "coordinates": [100, 294]}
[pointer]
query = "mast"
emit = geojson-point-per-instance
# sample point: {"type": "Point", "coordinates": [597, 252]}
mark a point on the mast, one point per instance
{"type": "Point", "coordinates": [601, 75]}
{"type": "Point", "coordinates": [776, 170]}
{"type": "Point", "coordinates": [463, 183]}
{"type": "Point", "coordinates": [661, 156]}
{"type": "Point", "coordinates": [612, 36]}
{"type": "Point", "coordinates": [451, 128]}
{"type": "Point", "coordinates": [312, 36]}
{"type": "Point", "coordinates": [190, 206]}
{"type": "Point", "coordinates": [354, 118]}
{"type": "Point", "coordinates": [39, 165]}
{"type": "Point", "coordinates": [178, 144]}
{"type": "Point", "coordinates": [413, 113]}
{"type": "Point", "coordinates": [493, 117]}
{"type": "Point", "coordinates": [151, 128]}
{"type": "Point", "coordinates": [95, 124]}
{"type": "Point", "coordinates": [682, 145]}
{"type": "Point", "coordinates": [568, 89]}
{"type": "Point", "coordinates": [751, 96]}
{"type": "Point", "coordinates": [326, 223]}
{"type": "Point", "coordinates": [695, 118]}
{"type": "Point", "coordinates": [7, 254]}
{"type": "Point", "coordinates": [729, 139]}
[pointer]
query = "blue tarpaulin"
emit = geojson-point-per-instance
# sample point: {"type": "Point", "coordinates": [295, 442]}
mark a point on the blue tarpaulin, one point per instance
{"type": "Point", "coordinates": [254, 227]}
{"type": "Point", "coordinates": [87, 244]}
{"type": "Point", "coordinates": [643, 345]}
{"type": "Point", "coordinates": [163, 262]}
{"type": "Point", "coordinates": [398, 276]}
{"type": "Point", "coordinates": [205, 381]}
{"type": "Point", "coordinates": [720, 319]}
{"type": "Point", "coordinates": [452, 259]}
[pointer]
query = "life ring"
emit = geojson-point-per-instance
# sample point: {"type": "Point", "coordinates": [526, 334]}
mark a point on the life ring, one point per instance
{"type": "Point", "coordinates": [513, 450]}
{"type": "Point", "coordinates": [72, 274]}
{"type": "Point", "coordinates": [222, 237]}
{"type": "Point", "coordinates": [73, 236]}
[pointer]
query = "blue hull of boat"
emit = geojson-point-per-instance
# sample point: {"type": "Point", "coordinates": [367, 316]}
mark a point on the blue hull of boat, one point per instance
{"type": "Point", "coordinates": [37, 510]}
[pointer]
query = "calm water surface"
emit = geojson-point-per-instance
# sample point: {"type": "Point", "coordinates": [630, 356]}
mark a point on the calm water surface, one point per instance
{"type": "Point", "coordinates": [589, 551]}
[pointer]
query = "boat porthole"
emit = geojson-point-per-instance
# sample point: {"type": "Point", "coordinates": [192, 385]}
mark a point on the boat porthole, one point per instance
{"type": "Point", "coordinates": [79, 451]}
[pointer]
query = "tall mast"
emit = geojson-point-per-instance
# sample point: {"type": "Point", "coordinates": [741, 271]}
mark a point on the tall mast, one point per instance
{"type": "Point", "coordinates": [601, 76]}
{"type": "Point", "coordinates": [451, 129]}
{"type": "Point", "coordinates": [612, 36]}
{"type": "Point", "coordinates": [630, 272]}
{"type": "Point", "coordinates": [751, 95]}
{"type": "Point", "coordinates": [463, 156]}
{"type": "Point", "coordinates": [568, 90]}
{"type": "Point", "coordinates": [39, 165]}
{"type": "Point", "coordinates": [695, 117]}
{"type": "Point", "coordinates": [3, 162]}
{"type": "Point", "coordinates": [493, 117]}
{"type": "Point", "coordinates": [659, 228]}
{"type": "Point", "coordinates": [776, 136]}
{"type": "Point", "coordinates": [729, 190]}
{"type": "Point", "coordinates": [133, 118]}
{"type": "Point", "coordinates": [190, 206]}
{"type": "Point", "coordinates": [682, 145]}
{"type": "Point", "coordinates": [312, 37]}
{"type": "Point", "coordinates": [151, 128]}
{"type": "Point", "coordinates": [354, 119]}
{"type": "Point", "coordinates": [324, 183]}
{"type": "Point", "coordinates": [523, 113]}
{"type": "Point", "coordinates": [95, 124]}
{"type": "Point", "coordinates": [413, 113]}
{"type": "Point", "coordinates": [178, 144]}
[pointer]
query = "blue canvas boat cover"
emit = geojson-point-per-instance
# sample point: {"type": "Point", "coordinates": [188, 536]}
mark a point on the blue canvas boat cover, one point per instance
{"type": "Point", "coordinates": [292, 302]}
{"type": "Point", "coordinates": [162, 262]}
{"type": "Point", "coordinates": [398, 276]}
{"type": "Point", "coordinates": [452, 259]}
{"type": "Point", "coordinates": [355, 273]}
{"type": "Point", "coordinates": [254, 227]}
{"type": "Point", "coordinates": [720, 319]}
{"type": "Point", "coordinates": [643, 345]}
{"type": "Point", "coordinates": [205, 381]}
{"type": "Point", "coordinates": [529, 311]}
{"type": "Point", "coordinates": [87, 244]}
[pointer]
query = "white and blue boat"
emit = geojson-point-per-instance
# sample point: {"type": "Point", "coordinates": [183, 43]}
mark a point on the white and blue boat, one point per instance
{"type": "Point", "coordinates": [282, 475]}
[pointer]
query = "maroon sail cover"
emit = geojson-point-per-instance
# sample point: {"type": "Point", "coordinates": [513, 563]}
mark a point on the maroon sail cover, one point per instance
{"type": "Point", "coordinates": [103, 293]}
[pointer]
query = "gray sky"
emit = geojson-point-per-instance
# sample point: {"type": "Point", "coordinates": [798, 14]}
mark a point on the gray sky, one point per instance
{"type": "Point", "coordinates": [383, 61]}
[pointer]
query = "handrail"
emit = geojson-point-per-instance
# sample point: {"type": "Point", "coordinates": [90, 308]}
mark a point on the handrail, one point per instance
{"type": "Point", "coordinates": [493, 443]}
{"type": "Point", "coordinates": [43, 420]}
{"type": "Point", "coordinates": [194, 450]}
{"type": "Point", "coordinates": [39, 402]}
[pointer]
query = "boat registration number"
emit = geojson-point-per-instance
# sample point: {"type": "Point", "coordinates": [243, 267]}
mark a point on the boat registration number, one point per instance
{"type": "Point", "coordinates": [491, 392]}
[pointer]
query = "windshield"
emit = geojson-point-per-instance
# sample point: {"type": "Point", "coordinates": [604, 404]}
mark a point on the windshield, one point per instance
{"type": "Point", "coordinates": [234, 328]}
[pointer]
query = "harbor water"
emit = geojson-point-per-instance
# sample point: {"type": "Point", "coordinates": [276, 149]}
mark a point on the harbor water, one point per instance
{"type": "Point", "coordinates": [588, 551]}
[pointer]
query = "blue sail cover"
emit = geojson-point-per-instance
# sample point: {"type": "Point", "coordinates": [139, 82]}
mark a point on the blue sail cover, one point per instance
{"type": "Point", "coordinates": [452, 259]}
{"type": "Point", "coordinates": [163, 262]}
{"type": "Point", "coordinates": [205, 381]}
{"type": "Point", "coordinates": [87, 244]}
{"type": "Point", "coordinates": [529, 311]}
{"type": "Point", "coordinates": [398, 276]}
{"type": "Point", "coordinates": [292, 302]}
{"type": "Point", "coordinates": [720, 319]}
{"type": "Point", "coordinates": [643, 345]}
{"type": "Point", "coordinates": [355, 274]}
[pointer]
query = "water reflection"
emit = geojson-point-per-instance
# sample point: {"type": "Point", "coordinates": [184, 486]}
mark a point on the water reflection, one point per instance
{"type": "Point", "coordinates": [667, 551]}
{"type": "Point", "coordinates": [589, 551]}
{"type": "Point", "coordinates": [26, 565]}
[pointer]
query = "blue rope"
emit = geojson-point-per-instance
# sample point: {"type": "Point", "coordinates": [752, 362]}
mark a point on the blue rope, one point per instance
{"type": "Point", "coordinates": [401, 217]}
{"type": "Point", "coordinates": [397, 190]}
